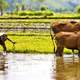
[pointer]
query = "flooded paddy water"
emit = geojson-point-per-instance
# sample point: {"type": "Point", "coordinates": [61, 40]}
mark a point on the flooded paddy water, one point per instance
{"type": "Point", "coordinates": [40, 67]}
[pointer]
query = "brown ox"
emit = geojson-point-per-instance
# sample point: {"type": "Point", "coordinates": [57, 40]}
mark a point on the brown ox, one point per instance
{"type": "Point", "coordinates": [69, 40]}
{"type": "Point", "coordinates": [66, 26]}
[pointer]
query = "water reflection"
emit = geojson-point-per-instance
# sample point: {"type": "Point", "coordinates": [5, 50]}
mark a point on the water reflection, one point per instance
{"type": "Point", "coordinates": [68, 68]}
{"type": "Point", "coordinates": [39, 67]}
{"type": "Point", "coordinates": [2, 62]}
{"type": "Point", "coordinates": [29, 67]}
{"type": "Point", "coordinates": [3, 67]}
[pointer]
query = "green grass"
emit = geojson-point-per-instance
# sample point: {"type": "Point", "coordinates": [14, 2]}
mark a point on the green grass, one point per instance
{"type": "Point", "coordinates": [31, 44]}
{"type": "Point", "coordinates": [43, 16]}
{"type": "Point", "coordinates": [26, 20]}
{"type": "Point", "coordinates": [26, 44]}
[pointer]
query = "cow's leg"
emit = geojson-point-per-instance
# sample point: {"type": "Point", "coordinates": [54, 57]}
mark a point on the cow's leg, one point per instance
{"type": "Point", "coordinates": [73, 52]}
{"type": "Point", "coordinates": [59, 51]}
{"type": "Point", "coordinates": [60, 47]}
{"type": "Point", "coordinates": [73, 55]}
{"type": "Point", "coordinates": [79, 54]}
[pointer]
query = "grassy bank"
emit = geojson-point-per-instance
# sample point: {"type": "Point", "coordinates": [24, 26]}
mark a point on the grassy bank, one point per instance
{"type": "Point", "coordinates": [26, 44]}
{"type": "Point", "coordinates": [31, 44]}
{"type": "Point", "coordinates": [42, 15]}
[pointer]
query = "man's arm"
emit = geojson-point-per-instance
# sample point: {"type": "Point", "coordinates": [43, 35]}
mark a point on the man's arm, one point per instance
{"type": "Point", "coordinates": [11, 41]}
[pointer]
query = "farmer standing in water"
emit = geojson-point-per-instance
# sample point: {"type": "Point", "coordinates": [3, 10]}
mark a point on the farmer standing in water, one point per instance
{"type": "Point", "coordinates": [3, 38]}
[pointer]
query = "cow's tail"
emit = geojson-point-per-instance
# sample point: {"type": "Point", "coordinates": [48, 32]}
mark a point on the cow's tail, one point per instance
{"type": "Point", "coordinates": [53, 39]}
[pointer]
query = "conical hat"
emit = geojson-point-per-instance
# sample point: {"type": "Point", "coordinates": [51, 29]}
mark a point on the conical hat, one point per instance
{"type": "Point", "coordinates": [2, 33]}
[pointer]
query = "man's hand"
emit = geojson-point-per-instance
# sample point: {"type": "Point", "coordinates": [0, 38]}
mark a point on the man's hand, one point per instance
{"type": "Point", "coordinates": [14, 42]}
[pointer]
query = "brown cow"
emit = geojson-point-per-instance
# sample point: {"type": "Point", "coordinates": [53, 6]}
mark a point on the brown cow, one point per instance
{"type": "Point", "coordinates": [66, 26]}
{"type": "Point", "coordinates": [70, 40]}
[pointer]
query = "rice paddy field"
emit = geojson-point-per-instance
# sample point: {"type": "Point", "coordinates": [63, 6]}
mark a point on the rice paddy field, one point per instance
{"type": "Point", "coordinates": [29, 35]}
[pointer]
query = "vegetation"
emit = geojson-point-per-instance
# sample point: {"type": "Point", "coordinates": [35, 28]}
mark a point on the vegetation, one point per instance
{"type": "Point", "coordinates": [40, 15]}
{"type": "Point", "coordinates": [22, 9]}
{"type": "Point", "coordinates": [30, 41]}
{"type": "Point", "coordinates": [35, 13]}
{"type": "Point", "coordinates": [3, 5]}
{"type": "Point", "coordinates": [22, 12]}
{"type": "Point", "coordinates": [78, 9]}
{"type": "Point", "coordinates": [31, 44]}
{"type": "Point", "coordinates": [24, 43]}
{"type": "Point", "coordinates": [44, 8]}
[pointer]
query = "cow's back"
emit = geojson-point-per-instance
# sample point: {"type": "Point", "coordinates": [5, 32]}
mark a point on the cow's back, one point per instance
{"type": "Point", "coordinates": [67, 39]}
{"type": "Point", "coordinates": [67, 26]}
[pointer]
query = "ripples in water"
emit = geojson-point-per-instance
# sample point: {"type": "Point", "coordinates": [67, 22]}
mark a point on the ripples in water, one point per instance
{"type": "Point", "coordinates": [40, 67]}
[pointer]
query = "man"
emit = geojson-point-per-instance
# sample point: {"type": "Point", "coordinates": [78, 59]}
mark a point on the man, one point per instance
{"type": "Point", "coordinates": [3, 38]}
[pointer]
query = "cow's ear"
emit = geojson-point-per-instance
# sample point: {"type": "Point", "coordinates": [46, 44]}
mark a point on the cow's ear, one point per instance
{"type": "Point", "coordinates": [55, 23]}
{"type": "Point", "coordinates": [62, 23]}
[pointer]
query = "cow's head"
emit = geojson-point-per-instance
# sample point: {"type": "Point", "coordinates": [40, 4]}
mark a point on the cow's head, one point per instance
{"type": "Point", "coordinates": [58, 26]}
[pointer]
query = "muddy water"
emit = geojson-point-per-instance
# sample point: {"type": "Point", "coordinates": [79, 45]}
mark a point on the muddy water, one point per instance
{"type": "Point", "coordinates": [68, 68]}
{"type": "Point", "coordinates": [27, 67]}
{"type": "Point", "coordinates": [40, 67]}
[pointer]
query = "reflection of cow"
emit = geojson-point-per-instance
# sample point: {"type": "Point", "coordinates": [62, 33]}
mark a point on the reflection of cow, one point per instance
{"type": "Point", "coordinates": [70, 40]}
{"type": "Point", "coordinates": [3, 38]}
